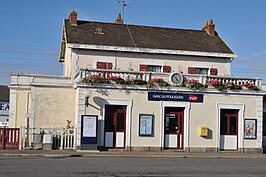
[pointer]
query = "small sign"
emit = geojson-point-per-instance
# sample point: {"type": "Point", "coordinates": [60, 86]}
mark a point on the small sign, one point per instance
{"type": "Point", "coordinates": [204, 131]}
{"type": "Point", "coordinates": [162, 96]}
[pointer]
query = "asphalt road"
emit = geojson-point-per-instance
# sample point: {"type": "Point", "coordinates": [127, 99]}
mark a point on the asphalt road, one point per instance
{"type": "Point", "coordinates": [14, 166]}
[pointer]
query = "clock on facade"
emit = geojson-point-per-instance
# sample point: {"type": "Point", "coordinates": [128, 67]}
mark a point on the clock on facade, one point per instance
{"type": "Point", "coordinates": [176, 79]}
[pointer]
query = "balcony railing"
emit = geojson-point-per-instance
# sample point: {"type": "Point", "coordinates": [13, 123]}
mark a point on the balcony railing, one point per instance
{"type": "Point", "coordinates": [147, 76]}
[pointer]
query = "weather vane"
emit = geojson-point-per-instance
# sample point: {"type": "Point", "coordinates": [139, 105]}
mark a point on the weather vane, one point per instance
{"type": "Point", "coordinates": [124, 4]}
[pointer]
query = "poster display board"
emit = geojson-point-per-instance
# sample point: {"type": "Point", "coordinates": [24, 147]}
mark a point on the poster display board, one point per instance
{"type": "Point", "coordinates": [146, 125]}
{"type": "Point", "coordinates": [89, 126]}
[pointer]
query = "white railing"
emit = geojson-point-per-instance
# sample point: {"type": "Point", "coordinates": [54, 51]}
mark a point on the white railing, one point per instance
{"type": "Point", "coordinates": [146, 76]}
{"type": "Point", "coordinates": [236, 80]}
{"type": "Point", "coordinates": [61, 138]}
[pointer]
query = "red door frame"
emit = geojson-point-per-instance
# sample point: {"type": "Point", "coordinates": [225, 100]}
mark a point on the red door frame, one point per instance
{"type": "Point", "coordinates": [178, 114]}
{"type": "Point", "coordinates": [119, 111]}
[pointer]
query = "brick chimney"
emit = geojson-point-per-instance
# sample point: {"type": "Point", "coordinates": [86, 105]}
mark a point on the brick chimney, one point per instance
{"type": "Point", "coordinates": [209, 27]}
{"type": "Point", "coordinates": [73, 18]}
{"type": "Point", "coordinates": [119, 20]}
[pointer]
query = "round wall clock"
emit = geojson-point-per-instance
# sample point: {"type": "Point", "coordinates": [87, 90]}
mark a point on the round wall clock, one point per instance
{"type": "Point", "coordinates": [176, 79]}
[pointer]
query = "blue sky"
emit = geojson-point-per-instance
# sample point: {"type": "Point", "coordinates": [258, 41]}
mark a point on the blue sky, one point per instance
{"type": "Point", "coordinates": [30, 30]}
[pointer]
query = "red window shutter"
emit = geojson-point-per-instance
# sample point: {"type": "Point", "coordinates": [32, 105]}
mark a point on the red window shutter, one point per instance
{"type": "Point", "coordinates": [101, 65]}
{"type": "Point", "coordinates": [166, 69]}
{"type": "Point", "coordinates": [213, 71]}
{"type": "Point", "coordinates": [191, 70]}
{"type": "Point", "coordinates": [143, 67]}
{"type": "Point", "coordinates": [109, 66]}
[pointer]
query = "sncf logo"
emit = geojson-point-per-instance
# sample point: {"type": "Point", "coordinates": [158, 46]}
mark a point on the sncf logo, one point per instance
{"type": "Point", "coordinates": [193, 98]}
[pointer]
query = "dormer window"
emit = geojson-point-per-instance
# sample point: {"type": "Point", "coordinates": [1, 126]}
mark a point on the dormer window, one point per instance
{"type": "Point", "coordinates": [99, 31]}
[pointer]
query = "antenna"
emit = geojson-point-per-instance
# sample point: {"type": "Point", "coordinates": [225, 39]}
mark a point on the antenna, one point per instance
{"type": "Point", "coordinates": [124, 4]}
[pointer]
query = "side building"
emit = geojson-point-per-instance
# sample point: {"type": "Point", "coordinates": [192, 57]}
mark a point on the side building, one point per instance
{"type": "Point", "coordinates": [150, 88]}
{"type": "Point", "coordinates": [4, 106]}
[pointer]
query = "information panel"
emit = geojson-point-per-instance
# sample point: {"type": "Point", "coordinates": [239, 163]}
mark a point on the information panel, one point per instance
{"type": "Point", "coordinates": [89, 126]}
{"type": "Point", "coordinates": [145, 125]}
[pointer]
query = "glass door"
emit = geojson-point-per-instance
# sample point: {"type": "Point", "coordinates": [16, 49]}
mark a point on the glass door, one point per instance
{"type": "Point", "coordinates": [229, 130]}
{"type": "Point", "coordinates": [115, 126]}
{"type": "Point", "coordinates": [173, 131]}
{"type": "Point", "coordinates": [119, 128]}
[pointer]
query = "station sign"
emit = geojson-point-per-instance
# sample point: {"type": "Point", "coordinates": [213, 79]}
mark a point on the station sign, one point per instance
{"type": "Point", "coordinates": [163, 96]}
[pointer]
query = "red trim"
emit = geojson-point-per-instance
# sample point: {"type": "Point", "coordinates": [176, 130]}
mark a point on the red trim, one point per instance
{"type": "Point", "coordinates": [213, 71]}
{"type": "Point", "coordinates": [229, 117]}
{"type": "Point", "coordinates": [166, 69]}
{"type": "Point", "coordinates": [2, 142]}
{"type": "Point", "coordinates": [143, 67]}
{"type": "Point", "coordinates": [191, 70]}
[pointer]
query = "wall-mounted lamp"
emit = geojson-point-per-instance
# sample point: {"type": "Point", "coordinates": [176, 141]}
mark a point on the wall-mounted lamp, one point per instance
{"type": "Point", "coordinates": [87, 95]}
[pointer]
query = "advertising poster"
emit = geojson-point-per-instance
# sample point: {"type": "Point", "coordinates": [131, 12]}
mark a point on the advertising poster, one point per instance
{"type": "Point", "coordinates": [250, 129]}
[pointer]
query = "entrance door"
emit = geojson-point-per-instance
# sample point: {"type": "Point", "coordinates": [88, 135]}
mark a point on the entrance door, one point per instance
{"type": "Point", "coordinates": [115, 126]}
{"type": "Point", "coordinates": [229, 129]}
{"type": "Point", "coordinates": [173, 128]}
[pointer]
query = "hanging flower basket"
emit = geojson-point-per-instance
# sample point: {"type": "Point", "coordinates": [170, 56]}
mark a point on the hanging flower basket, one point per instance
{"type": "Point", "coordinates": [117, 80]}
{"type": "Point", "coordinates": [157, 82]}
{"type": "Point", "coordinates": [233, 86]}
{"type": "Point", "coordinates": [138, 82]}
{"type": "Point", "coordinates": [96, 79]}
{"type": "Point", "coordinates": [250, 86]}
{"type": "Point", "coordinates": [216, 84]}
{"type": "Point", "coordinates": [193, 84]}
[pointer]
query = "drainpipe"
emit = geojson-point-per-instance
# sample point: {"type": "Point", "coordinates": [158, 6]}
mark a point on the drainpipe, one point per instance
{"type": "Point", "coordinates": [188, 128]}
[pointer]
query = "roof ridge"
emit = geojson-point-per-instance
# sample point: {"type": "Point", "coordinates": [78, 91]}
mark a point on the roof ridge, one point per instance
{"type": "Point", "coordinates": [111, 23]}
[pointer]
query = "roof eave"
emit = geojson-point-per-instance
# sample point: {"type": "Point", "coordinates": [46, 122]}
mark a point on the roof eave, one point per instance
{"type": "Point", "coordinates": [149, 50]}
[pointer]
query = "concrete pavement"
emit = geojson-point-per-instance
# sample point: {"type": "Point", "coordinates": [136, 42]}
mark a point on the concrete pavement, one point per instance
{"type": "Point", "coordinates": [164, 154]}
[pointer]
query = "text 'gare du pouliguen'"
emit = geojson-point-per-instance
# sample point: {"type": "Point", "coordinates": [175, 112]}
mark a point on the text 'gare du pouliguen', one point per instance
{"type": "Point", "coordinates": [156, 96]}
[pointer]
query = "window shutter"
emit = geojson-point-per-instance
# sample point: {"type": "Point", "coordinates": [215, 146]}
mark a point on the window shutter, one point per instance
{"type": "Point", "coordinates": [191, 70]}
{"type": "Point", "coordinates": [213, 71]}
{"type": "Point", "coordinates": [166, 69]}
{"type": "Point", "coordinates": [143, 67]}
{"type": "Point", "coordinates": [101, 65]}
{"type": "Point", "coordinates": [109, 66]}
{"type": "Point", "coordinates": [104, 65]}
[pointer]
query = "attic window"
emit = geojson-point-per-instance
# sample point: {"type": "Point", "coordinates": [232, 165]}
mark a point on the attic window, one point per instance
{"type": "Point", "coordinates": [99, 31]}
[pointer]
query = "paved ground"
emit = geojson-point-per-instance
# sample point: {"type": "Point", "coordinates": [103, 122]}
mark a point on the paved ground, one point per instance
{"type": "Point", "coordinates": [166, 154]}
{"type": "Point", "coordinates": [41, 166]}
